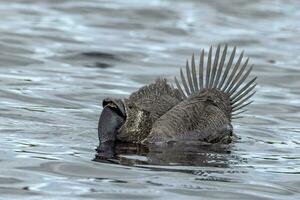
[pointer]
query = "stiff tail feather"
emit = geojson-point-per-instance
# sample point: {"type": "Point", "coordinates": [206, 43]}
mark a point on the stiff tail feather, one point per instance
{"type": "Point", "coordinates": [226, 77]}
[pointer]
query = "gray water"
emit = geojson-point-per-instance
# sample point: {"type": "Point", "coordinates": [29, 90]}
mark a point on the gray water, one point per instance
{"type": "Point", "coordinates": [59, 59]}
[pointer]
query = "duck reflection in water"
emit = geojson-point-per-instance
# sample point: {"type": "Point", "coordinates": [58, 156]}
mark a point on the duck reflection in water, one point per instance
{"type": "Point", "coordinates": [175, 154]}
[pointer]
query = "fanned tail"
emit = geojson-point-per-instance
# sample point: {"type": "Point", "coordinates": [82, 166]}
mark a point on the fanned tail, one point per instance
{"type": "Point", "coordinates": [226, 77]}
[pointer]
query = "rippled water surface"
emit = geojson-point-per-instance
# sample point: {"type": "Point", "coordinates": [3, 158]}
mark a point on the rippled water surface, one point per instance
{"type": "Point", "coordinates": [59, 59]}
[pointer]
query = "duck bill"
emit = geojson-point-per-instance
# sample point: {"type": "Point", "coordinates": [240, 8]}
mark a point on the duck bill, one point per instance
{"type": "Point", "coordinates": [109, 123]}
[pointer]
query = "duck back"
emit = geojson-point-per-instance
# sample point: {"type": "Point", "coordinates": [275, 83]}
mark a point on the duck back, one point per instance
{"type": "Point", "coordinates": [211, 100]}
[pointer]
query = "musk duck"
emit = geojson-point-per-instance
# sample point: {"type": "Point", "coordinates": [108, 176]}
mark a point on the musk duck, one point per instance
{"type": "Point", "coordinates": [200, 107]}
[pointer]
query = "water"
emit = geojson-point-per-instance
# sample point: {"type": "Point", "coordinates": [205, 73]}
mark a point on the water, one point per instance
{"type": "Point", "coordinates": [59, 59]}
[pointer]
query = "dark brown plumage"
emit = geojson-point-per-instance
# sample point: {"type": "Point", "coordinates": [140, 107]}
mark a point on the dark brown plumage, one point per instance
{"type": "Point", "coordinates": [199, 109]}
{"type": "Point", "coordinates": [144, 107]}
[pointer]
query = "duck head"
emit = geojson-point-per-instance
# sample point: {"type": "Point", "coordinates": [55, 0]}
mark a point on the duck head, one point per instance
{"type": "Point", "coordinates": [123, 120]}
{"type": "Point", "coordinates": [137, 124]}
